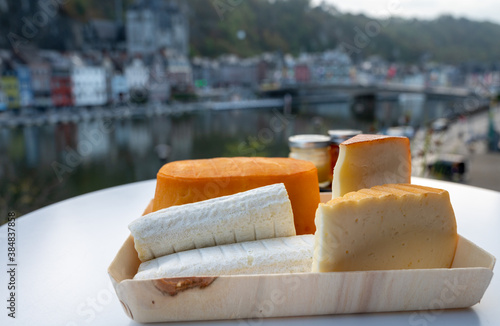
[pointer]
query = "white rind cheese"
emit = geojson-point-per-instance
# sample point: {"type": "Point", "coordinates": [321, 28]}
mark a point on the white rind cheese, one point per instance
{"type": "Point", "coordinates": [370, 160]}
{"type": "Point", "coordinates": [398, 226]}
{"type": "Point", "coordinates": [268, 256]}
{"type": "Point", "coordinates": [260, 213]}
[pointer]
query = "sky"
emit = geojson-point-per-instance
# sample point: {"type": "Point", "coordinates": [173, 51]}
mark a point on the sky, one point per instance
{"type": "Point", "coordinates": [425, 9]}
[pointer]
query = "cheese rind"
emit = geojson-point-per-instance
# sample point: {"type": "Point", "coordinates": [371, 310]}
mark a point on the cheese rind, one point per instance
{"type": "Point", "coordinates": [183, 182]}
{"type": "Point", "coordinates": [268, 256]}
{"type": "Point", "coordinates": [370, 160]}
{"type": "Point", "coordinates": [259, 213]}
{"type": "Point", "coordinates": [397, 226]}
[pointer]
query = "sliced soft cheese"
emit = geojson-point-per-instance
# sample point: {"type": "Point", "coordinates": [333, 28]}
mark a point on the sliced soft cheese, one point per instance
{"type": "Point", "coordinates": [398, 226]}
{"type": "Point", "coordinates": [259, 213]}
{"type": "Point", "coordinates": [370, 160]}
{"type": "Point", "coordinates": [268, 256]}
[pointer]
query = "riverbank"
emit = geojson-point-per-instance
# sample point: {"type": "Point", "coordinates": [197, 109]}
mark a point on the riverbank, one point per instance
{"type": "Point", "coordinates": [30, 117]}
{"type": "Point", "coordinates": [463, 148]}
{"type": "Point", "coordinates": [484, 171]}
{"type": "Point", "coordinates": [45, 163]}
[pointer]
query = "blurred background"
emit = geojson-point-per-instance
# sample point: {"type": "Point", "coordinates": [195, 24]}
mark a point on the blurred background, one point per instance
{"type": "Point", "coordinates": [95, 94]}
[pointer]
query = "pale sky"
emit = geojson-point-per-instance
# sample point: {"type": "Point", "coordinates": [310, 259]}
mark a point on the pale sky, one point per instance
{"type": "Point", "coordinates": [425, 9]}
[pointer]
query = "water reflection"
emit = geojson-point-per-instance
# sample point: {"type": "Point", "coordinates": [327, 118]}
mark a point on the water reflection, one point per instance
{"type": "Point", "coordinates": [40, 165]}
{"type": "Point", "coordinates": [31, 136]}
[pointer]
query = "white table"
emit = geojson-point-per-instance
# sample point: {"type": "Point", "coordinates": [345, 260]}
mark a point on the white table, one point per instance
{"type": "Point", "coordinates": [64, 250]}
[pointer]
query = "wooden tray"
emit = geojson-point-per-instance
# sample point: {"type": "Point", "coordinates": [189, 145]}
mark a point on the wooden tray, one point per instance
{"type": "Point", "coordinates": [275, 295]}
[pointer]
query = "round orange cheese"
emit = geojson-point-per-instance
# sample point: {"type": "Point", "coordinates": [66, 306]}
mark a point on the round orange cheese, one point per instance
{"type": "Point", "coordinates": [183, 182]}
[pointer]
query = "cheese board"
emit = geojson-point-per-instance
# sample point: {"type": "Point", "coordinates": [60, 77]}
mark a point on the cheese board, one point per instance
{"type": "Point", "coordinates": [253, 297]}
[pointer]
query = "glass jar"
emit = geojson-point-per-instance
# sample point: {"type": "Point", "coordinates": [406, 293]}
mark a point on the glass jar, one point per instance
{"type": "Point", "coordinates": [338, 136]}
{"type": "Point", "coordinates": [316, 149]}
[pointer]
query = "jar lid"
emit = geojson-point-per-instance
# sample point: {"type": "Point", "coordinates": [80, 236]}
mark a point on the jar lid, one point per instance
{"type": "Point", "coordinates": [337, 136]}
{"type": "Point", "coordinates": [309, 141]}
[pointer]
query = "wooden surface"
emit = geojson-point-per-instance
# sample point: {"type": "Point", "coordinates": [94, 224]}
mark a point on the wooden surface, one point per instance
{"type": "Point", "coordinates": [259, 296]}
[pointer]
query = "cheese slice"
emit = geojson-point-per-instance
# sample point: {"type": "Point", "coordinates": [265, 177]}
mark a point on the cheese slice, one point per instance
{"type": "Point", "coordinates": [277, 255]}
{"type": "Point", "coordinates": [259, 213]}
{"type": "Point", "coordinates": [396, 226]}
{"type": "Point", "coordinates": [370, 160]}
{"type": "Point", "coordinates": [183, 182]}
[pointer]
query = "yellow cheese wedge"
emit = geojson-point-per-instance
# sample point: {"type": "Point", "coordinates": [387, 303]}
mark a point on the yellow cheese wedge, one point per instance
{"type": "Point", "coordinates": [395, 226]}
{"type": "Point", "coordinates": [370, 160]}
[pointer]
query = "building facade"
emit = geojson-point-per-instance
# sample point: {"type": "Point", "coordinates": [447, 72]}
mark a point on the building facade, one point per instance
{"type": "Point", "coordinates": [302, 73]}
{"type": "Point", "coordinates": [41, 72]}
{"type": "Point", "coordinates": [204, 73]}
{"type": "Point", "coordinates": [25, 89]}
{"type": "Point", "coordinates": [3, 99]}
{"type": "Point", "coordinates": [154, 25]}
{"type": "Point", "coordinates": [119, 89]}
{"type": "Point", "coordinates": [10, 87]}
{"type": "Point", "coordinates": [179, 72]}
{"type": "Point", "coordinates": [60, 88]}
{"type": "Point", "coordinates": [159, 86]}
{"type": "Point", "coordinates": [137, 76]}
{"type": "Point", "coordinates": [88, 86]}
{"type": "Point", "coordinates": [238, 74]}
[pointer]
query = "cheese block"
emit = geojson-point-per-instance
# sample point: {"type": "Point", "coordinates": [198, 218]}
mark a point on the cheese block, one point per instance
{"type": "Point", "coordinates": [260, 213]}
{"type": "Point", "coordinates": [268, 256]}
{"type": "Point", "coordinates": [369, 160]}
{"type": "Point", "coordinates": [395, 226]}
{"type": "Point", "coordinates": [183, 182]}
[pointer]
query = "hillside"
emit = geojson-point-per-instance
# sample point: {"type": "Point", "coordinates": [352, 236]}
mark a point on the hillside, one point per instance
{"type": "Point", "coordinates": [292, 26]}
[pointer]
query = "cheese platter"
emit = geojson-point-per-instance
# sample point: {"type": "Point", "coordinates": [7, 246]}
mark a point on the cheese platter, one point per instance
{"type": "Point", "coordinates": [252, 297]}
{"type": "Point", "coordinates": [210, 245]}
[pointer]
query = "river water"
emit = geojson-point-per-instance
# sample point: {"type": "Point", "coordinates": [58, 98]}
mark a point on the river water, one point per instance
{"type": "Point", "coordinates": [40, 165]}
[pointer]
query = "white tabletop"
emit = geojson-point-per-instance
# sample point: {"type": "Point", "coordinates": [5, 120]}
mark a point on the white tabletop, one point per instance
{"type": "Point", "coordinates": [64, 250]}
